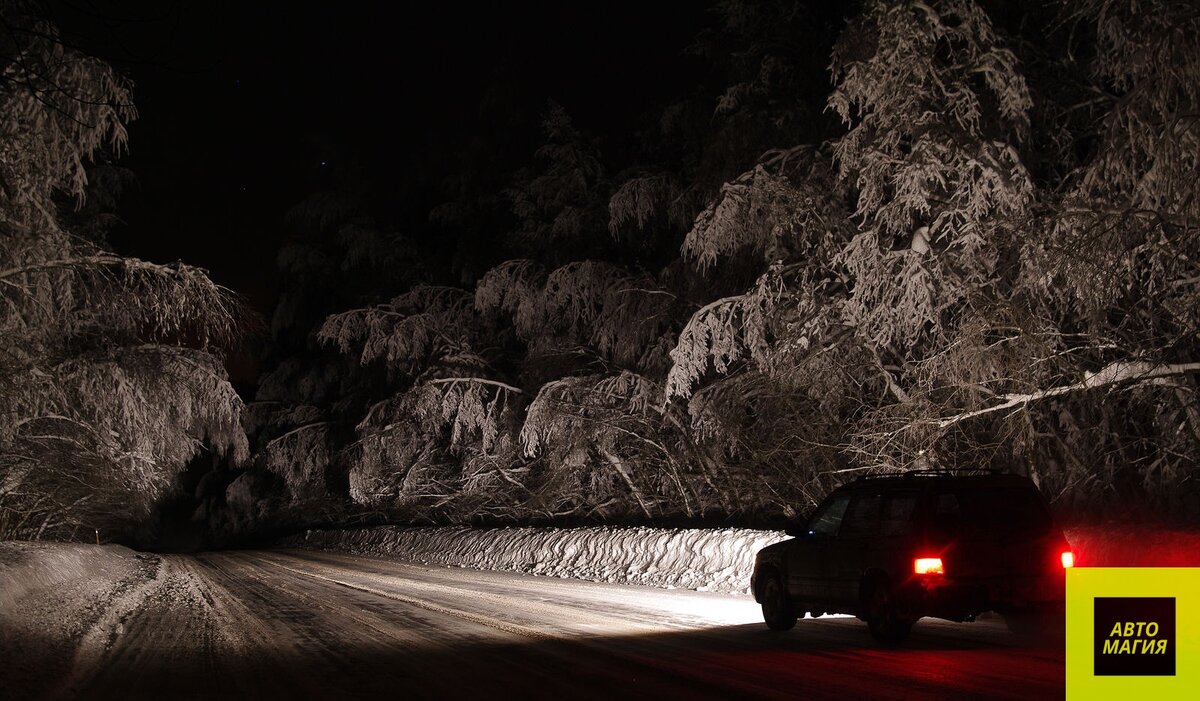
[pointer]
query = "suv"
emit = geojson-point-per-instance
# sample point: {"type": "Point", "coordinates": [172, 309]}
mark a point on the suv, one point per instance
{"type": "Point", "coordinates": [893, 548]}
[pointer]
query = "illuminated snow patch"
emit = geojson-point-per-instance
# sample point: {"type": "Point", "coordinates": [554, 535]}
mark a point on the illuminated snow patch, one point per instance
{"type": "Point", "coordinates": [716, 560]}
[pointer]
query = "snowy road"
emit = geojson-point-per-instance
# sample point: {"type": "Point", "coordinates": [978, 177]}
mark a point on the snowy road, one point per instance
{"type": "Point", "coordinates": [302, 624]}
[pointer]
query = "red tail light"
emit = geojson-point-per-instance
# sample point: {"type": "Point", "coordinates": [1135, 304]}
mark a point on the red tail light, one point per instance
{"type": "Point", "coordinates": [928, 565]}
{"type": "Point", "coordinates": [1068, 559]}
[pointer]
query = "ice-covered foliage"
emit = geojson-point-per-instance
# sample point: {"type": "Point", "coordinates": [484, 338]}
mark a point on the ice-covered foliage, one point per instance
{"type": "Point", "coordinates": [109, 383]}
{"type": "Point", "coordinates": [561, 202]}
{"type": "Point", "coordinates": [936, 113]}
{"type": "Point", "coordinates": [935, 110]}
{"type": "Point", "coordinates": [790, 212]}
{"type": "Point", "coordinates": [619, 314]}
{"type": "Point", "coordinates": [491, 441]}
{"type": "Point", "coordinates": [645, 199]}
{"type": "Point", "coordinates": [61, 107]}
{"type": "Point", "coordinates": [414, 329]}
{"type": "Point", "coordinates": [711, 339]}
{"type": "Point", "coordinates": [589, 405]}
{"type": "Point", "coordinates": [779, 326]}
{"type": "Point", "coordinates": [1125, 234]}
{"type": "Point", "coordinates": [573, 298]}
{"type": "Point", "coordinates": [782, 208]}
{"type": "Point", "coordinates": [301, 456]}
{"type": "Point", "coordinates": [965, 311]}
{"type": "Point", "coordinates": [977, 246]}
{"type": "Point", "coordinates": [384, 460]}
{"type": "Point", "coordinates": [473, 409]}
{"type": "Point", "coordinates": [512, 288]}
{"type": "Point", "coordinates": [1069, 279]}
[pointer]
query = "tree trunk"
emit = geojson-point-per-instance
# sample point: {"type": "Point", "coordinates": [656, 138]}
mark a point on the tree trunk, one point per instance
{"type": "Point", "coordinates": [619, 466]}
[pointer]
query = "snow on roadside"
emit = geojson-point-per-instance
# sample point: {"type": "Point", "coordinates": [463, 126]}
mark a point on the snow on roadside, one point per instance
{"type": "Point", "coordinates": [51, 596]}
{"type": "Point", "coordinates": [719, 560]}
{"type": "Point", "coordinates": [702, 559]}
{"type": "Point", "coordinates": [26, 567]}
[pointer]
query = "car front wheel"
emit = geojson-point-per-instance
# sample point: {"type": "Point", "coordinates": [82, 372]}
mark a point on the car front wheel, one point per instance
{"type": "Point", "coordinates": [778, 611]}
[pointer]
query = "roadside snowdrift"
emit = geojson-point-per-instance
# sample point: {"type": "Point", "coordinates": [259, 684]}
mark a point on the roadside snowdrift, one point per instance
{"type": "Point", "coordinates": [51, 595]}
{"type": "Point", "coordinates": [702, 559]}
{"type": "Point", "coordinates": [29, 567]}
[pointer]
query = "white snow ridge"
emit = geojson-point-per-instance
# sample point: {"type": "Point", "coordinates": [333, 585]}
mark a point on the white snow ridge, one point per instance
{"type": "Point", "coordinates": [702, 559]}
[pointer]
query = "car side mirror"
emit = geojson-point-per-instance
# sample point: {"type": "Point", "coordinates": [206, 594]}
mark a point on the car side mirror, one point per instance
{"type": "Point", "coordinates": [797, 530]}
{"type": "Point", "coordinates": [799, 527]}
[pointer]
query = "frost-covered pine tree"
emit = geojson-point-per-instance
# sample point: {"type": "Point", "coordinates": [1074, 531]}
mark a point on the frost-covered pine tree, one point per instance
{"type": "Point", "coordinates": [560, 200]}
{"type": "Point", "coordinates": [1007, 280]}
{"type": "Point", "coordinates": [110, 378]}
{"type": "Point", "coordinates": [1072, 354]}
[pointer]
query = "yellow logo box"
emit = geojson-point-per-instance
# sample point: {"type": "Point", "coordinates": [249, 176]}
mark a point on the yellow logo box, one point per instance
{"type": "Point", "coordinates": [1133, 633]}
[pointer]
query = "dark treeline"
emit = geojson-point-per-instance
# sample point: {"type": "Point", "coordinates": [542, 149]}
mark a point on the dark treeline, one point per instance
{"type": "Point", "coordinates": [889, 235]}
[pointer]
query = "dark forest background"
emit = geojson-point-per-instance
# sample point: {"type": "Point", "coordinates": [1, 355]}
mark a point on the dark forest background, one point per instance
{"type": "Point", "coordinates": [597, 265]}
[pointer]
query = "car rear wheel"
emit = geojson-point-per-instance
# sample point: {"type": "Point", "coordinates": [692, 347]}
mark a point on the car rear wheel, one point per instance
{"type": "Point", "coordinates": [883, 616]}
{"type": "Point", "coordinates": [777, 610]}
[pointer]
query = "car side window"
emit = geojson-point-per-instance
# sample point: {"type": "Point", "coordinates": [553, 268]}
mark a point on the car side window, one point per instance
{"type": "Point", "coordinates": [898, 507]}
{"type": "Point", "coordinates": [862, 517]}
{"type": "Point", "coordinates": [827, 520]}
{"type": "Point", "coordinates": [947, 517]}
{"type": "Point", "coordinates": [947, 504]}
{"type": "Point", "coordinates": [982, 510]}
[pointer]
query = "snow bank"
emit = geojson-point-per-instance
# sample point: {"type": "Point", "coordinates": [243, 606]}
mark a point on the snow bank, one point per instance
{"type": "Point", "coordinates": [29, 567]}
{"type": "Point", "coordinates": [701, 559]}
{"type": "Point", "coordinates": [51, 595]}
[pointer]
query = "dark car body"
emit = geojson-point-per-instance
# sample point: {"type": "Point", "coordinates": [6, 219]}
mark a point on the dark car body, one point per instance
{"type": "Point", "coordinates": [891, 549]}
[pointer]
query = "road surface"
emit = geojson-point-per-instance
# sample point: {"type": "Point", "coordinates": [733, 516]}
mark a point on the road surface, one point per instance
{"type": "Point", "coordinates": [315, 625]}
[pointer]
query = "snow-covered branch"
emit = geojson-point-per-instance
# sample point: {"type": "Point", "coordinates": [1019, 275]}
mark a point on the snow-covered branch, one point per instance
{"type": "Point", "coordinates": [1116, 373]}
{"type": "Point", "coordinates": [475, 380]}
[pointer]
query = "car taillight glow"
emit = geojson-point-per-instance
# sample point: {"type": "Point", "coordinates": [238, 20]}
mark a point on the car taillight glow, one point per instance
{"type": "Point", "coordinates": [1068, 559]}
{"type": "Point", "coordinates": [928, 565]}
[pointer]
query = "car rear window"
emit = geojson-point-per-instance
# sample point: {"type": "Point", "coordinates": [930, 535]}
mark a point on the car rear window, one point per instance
{"type": "Point", "coordinates": [987, 509]}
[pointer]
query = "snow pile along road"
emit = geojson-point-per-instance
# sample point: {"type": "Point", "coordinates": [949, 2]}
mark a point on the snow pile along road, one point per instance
{"type": "Point", "coordinates": [29, 567]}
{"type": "Point", "coordinates": [718, 560]}
{"type": "Point", "coordinates": [702, 559]}
{"type": "Point", "coordinates": [51, 596]}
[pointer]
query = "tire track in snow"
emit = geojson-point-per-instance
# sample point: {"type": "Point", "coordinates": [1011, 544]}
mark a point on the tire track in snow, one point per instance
{"type": "Point", "coordinates": [586, 661]}
{"type": "Point", "coordinates": [101, 636]}
{"type": "Point", "coordinates": [283, 625]}
{"type": "Point", "coordinates": [640, 604]}
{"type": "Point", "coordinates": [681, 674]}
{"type": "Point", "coordinates": [656, 655]}
{"type": "Point", "coordinates": [583, 622]}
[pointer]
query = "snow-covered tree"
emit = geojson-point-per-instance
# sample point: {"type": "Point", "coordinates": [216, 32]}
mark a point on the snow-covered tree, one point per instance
{"type": "Point", "coordinates": [976, 246]}
{"type": "Point", "coordinates": [948, 302]}
{"type": "Point", "coordinates": [109, 375]}
{"type": "Point", "coordinates": [560, 202]}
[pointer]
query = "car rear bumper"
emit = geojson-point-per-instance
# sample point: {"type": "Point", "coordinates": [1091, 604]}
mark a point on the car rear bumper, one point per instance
{"type": "Point", "coordinates": [957, 599]}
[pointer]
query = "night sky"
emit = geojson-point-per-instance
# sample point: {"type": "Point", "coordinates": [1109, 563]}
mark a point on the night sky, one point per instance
{"type": "Point", "coordinates": [247, 107]}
